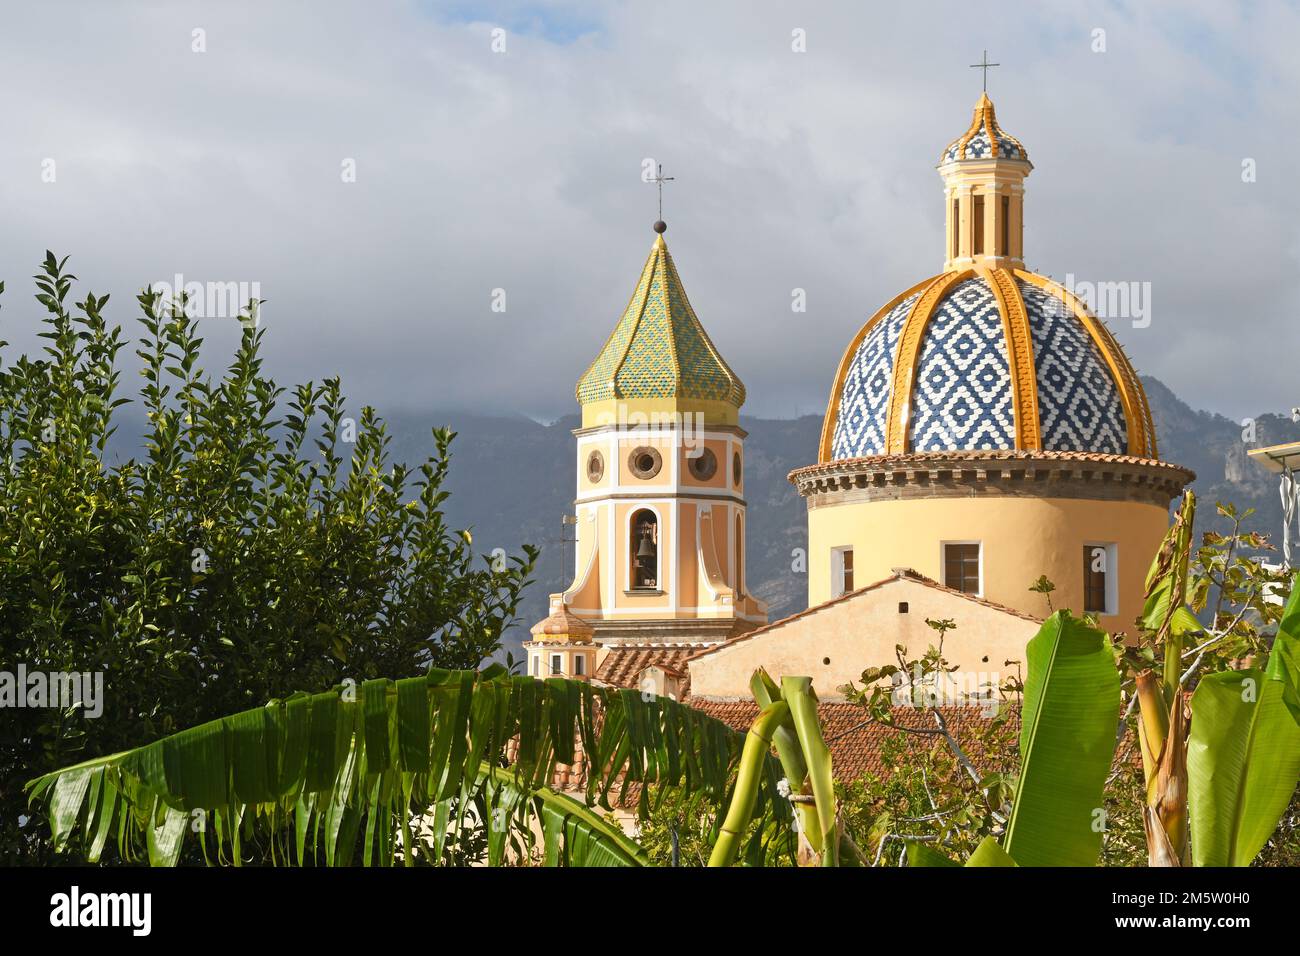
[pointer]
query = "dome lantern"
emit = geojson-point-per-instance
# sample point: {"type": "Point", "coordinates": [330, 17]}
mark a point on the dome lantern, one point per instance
{"type": "Point", "coordinates": [983, 172]}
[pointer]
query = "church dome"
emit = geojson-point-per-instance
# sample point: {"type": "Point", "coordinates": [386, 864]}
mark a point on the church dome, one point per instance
{"type": "Point", "coordinates": [986, 359]}
{"type": "Point", "coordinates": [986, 356]}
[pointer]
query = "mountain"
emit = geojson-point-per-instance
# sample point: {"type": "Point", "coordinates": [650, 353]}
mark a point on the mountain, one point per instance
{"type": "Point", "coordinates": [512, 479]}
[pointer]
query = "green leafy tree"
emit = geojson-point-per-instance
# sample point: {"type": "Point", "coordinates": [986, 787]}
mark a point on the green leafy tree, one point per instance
{"type": "Point", "coordinates": [263, 543]}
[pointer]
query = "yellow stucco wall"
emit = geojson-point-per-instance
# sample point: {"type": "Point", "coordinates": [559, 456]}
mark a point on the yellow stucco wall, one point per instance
{"type": "Point", "coordinates": [835, 643]}
{"type": "Point", "coordinates": [1021, 537]}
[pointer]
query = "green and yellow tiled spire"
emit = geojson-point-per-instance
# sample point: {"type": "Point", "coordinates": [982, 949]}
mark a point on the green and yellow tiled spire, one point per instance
{"type": "Point", "coordinates": [659, 359]}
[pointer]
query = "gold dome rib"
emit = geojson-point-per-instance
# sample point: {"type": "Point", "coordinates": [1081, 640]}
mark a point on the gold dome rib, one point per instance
{"type": "Point", "coordinates": [1020, 358]}
{"type": "Point", "coordinates": [909, 349]}
{"type": "Point", "coordinates": [1131, 376]}
{"type": "Point", "coordinates": [1137, 413]}
{"type": "Point", "coordinates": [990, 124]}
{"type": "Point", "coordinates": [832, 417]}
{"type": "Point", "coordinates": [984, 115]}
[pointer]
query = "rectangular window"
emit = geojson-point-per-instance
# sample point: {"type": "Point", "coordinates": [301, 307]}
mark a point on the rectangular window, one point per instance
{"type": "Point", "coordinates": [557, 664]}
{"type": "Point", "coordinates": [979, 225]}
{"type": "Point", "coordinates": [579, 665]}
{"type": "Point", "coordinates": [537, 665]}
{"type": "Point", "coordinates": [961, 567]}
{"type": "Point", "coordinates": [1099, 579]}
{"type": "Point", "coordinates": [956, 229]}
{"type": "Point", "coordinates": [1006, 227]}
{"type": "Point", "coordinates": [841, 571]}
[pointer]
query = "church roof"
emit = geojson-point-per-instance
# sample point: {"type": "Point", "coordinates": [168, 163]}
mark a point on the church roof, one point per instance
{"type": "Point", "coordinates": [986, 359]}
{"type": "Point", "coordinates": [624, 663]}
{"type": "Point", "coordinates": [984, 138]}
{"type": "Point", "coordinates": [659, 349]}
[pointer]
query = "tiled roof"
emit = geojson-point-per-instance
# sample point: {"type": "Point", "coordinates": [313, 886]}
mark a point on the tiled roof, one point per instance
{"type": "Point", "coordinates": [900, 574]}
{"type": "Point", "coordinates": [624, 663]}
{"type": "Point", "coordinates": [855, 743]}
{"type": "Point", "coordinates": [659, 349]}
{"type": "Point", "coordinates": [927, 459]}
{"type": "Point", "coordinates": [563, 623]}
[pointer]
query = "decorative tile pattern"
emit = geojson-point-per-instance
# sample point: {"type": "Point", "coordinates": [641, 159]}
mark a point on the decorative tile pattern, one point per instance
{"type": "Point", "coordinates": [659, 349]}
{"type": "Point", "coordinates": [864, 398]}
{"type": "Point", "coordinates": [1079, 404]}
{"type": "Point", "coordinates": [962, 399]}
{"type": "Point", "coordinates": [979, 146]}
{"type": "Point", "coordinates": [977, 141]}
{"type": "Point", "coordinates": [962, 395]}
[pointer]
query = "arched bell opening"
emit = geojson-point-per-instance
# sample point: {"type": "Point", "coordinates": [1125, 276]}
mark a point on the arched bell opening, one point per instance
{"type": "Point", "coordinates": [644, 543]}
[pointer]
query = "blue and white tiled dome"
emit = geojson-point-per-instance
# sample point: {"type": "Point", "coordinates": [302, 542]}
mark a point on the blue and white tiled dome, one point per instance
{"type": "Point", "coordinates": [986, 360]}
{"type": "Point", "coordinates": [984, 139]}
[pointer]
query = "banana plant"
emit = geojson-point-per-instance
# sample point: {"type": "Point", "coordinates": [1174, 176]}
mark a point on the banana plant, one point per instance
{"type": "Point", "coordinates": [396, 770]}
{"type": "Point", "coordinates": [1067, 745]}
{"type": "Point", "coordinates": [1221, 771]}
{"type": "Point", "coordinates": [787, 721]}
{"type": "Point", "coordinates": [1243, 759]}
{"type": "Point", "coordinates": [1163, 723]}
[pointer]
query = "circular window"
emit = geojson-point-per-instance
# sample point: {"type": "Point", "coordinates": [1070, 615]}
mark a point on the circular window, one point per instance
{"type": "Point", "coordinates": [704, 466]}
{"type": "Point", "coordinates": [595, 467]}
{"type": "Point", "coordinates": [735, 469]}
{"type": "Point", "coordinates": [645, 462]}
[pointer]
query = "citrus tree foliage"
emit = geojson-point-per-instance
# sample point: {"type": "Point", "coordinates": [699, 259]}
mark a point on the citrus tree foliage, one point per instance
{"type": "Point", "coordinates": [262, 544]}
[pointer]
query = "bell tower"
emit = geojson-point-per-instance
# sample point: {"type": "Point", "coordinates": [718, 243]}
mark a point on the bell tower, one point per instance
{"type": "Point", "coordinates": [661, 525]}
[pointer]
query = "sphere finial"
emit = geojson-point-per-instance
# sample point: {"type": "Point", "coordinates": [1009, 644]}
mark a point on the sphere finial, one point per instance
{"type": "Point", "coordinates": [661, 227]}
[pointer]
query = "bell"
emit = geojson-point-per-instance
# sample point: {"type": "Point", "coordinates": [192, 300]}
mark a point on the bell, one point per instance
{"type": "Point", "coordinates": [645, 549]}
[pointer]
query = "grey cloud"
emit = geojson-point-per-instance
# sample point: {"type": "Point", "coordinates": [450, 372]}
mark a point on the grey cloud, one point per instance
{"type": "Point", "coordinates": [479, 171]}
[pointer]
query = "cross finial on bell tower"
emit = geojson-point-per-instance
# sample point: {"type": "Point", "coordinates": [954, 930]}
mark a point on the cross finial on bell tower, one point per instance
{"type": "Point", "coordinates": [659, 179]}
{"type": "Point", "coordinates": [984, 65]}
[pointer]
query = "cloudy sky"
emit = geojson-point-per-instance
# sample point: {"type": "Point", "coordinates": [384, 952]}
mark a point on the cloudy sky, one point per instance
{"type": "Point", "coordinates": [479, 169]}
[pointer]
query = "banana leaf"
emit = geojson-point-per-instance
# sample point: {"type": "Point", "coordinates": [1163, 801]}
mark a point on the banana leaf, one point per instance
{"type": "Point", "coordinates": [1243, 758]}
{"type": "Point", "coordinates": [346, 776]}
{"type": "Point", "coordinates": [990, 853]}
{"type": "Point", "coordinates": [1067, 743]}
{"type": "Point", "coordinates": [921, 854]}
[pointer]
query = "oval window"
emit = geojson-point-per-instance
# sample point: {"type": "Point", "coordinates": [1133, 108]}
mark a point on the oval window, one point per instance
{"type": "Point", "coordinates": [735, 469]}
{"type": "Point", "coordinates": [645, 462]}
{"type": "Point", "coordinates": [595, 467]}
{"type": "Point", "coordinates": [703, 466]}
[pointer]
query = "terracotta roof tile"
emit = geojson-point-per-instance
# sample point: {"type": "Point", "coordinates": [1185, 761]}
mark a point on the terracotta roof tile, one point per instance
{"type": "Point", "coordinates": [624, 663]}
{"type": "Point", "coordinates": [856, 743]}
{"type": "Point", "coordinates": [994, 455]}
